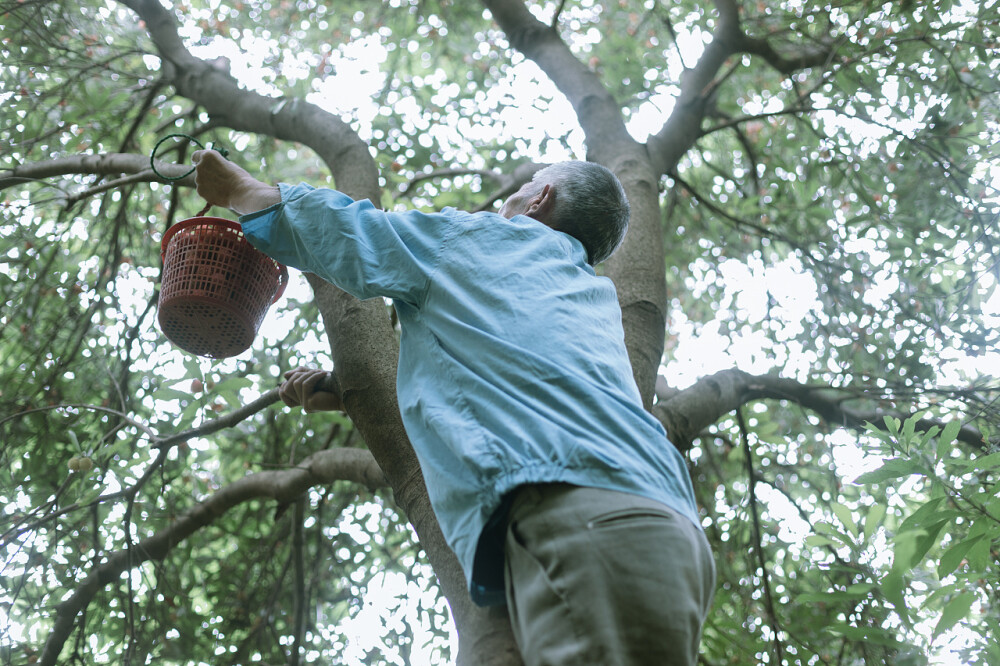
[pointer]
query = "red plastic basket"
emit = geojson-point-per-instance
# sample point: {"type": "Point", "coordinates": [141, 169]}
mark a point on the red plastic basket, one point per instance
{"type": "Point", "coordinates": [216, 287]}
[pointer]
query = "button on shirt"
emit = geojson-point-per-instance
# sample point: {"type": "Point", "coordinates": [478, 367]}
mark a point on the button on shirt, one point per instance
{"type": "Point", "coordinates": [512, 361]}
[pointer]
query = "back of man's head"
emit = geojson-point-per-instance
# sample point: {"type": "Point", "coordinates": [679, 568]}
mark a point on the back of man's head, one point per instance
{"type": "Point", "coordinates": [590, 206]}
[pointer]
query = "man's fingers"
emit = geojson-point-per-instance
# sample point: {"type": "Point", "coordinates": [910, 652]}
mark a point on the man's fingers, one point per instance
{"type": "Point", "coordinates": [302, 383]}
{"type": "Point", "coordinates": [310, 381]}
{"type": "Point", "coordinates": [300, 388]}
{"type": "Point", "coordinates": [287, 395]}
{"type": "Point", "coordinates": [199, 156]}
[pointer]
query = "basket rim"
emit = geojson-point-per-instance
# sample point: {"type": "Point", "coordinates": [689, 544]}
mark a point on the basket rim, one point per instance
{"type": "Point", "coordinates": [193, 221]}
{"type": "Point", "coordinates": [226, 224]}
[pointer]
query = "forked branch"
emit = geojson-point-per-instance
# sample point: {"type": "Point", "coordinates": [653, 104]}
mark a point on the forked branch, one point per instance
{"type": "Point", "coordinates": [686, 413]}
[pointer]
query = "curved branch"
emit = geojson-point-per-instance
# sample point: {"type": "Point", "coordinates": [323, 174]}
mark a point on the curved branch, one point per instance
{"type": "Point", "coordinates": [92, 408]}
{"type": "Point", "coordinates": [698, 87]}
{"type": "Point", "coordinates": [355, 465]}
{"type": "Point", "coordinates": [686, 413]}
{"type": "Point", "coordinates": [637, 267]}
{"type": "Point", "coordinates": [507, 183]}
{"type": "Point", "coordinates": [699, 84]}
{"type": "Point", "coordinates": [598, 113]}
{"type": "Point", "coordinates": [449, 173]}
{"type": "Point", "coordinates": [510, 183]}
{"type": "Point", "coordinates": [232, 418]}
{"type": "Point", "coordinates": [785, 63]}
{"type": "Point", "coordinates": [102, 164]}
{"type": "Point", "coordinates": [218, 92]}
{"type": "Point", "coordinates": [363, 344]}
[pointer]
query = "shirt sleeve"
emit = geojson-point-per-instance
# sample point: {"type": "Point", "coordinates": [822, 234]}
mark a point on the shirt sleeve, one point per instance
{"type": "Point", "coordinates": [365, 251]}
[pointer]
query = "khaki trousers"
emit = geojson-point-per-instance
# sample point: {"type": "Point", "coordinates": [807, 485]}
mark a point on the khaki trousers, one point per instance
{"type": "Point", "coordinates": [604, 578]}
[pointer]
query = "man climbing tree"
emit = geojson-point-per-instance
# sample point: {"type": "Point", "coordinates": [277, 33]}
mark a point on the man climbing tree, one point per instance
{"type": "Point", "coordinates": [808, 293]}
{"type": "Point", "coordinates": [558, 492]}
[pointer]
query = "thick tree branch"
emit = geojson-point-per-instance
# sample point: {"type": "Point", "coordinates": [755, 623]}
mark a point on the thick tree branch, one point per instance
{"type": "Point", "coordinates": [637, 267]}
{"type": "Point", "coordinates": [323, 467]}
{"type": "Point", "coordinates": [283, 118]}
{"type": "Point", "coordinates": [103, 164]}
{"type": "Point", "coordinates": [686, 413]}
{"type": "Point", "coordinates": [164, 444]}
{"type": "Point", "coordinates": [330, 384]}
{"type": "Point", "coordinates": [699, 84]}
{"type": "Point", "coordinates": [598, 113]}
{"type": "Point", "coordinates": [683, 127]}
{"type": "Point", "coordinates": [363, 343]}
{"type": "Point", "coordinates": [785, 63]}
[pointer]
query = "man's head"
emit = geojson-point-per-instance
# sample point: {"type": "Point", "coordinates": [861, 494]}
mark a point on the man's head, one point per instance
{"type": "Point", "coordinates": [582, 199]}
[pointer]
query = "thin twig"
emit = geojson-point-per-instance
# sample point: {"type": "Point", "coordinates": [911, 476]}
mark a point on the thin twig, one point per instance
{"type": "Point", "coordinates": [299, 574]}
{"type": "Point", "coordinates": [94, 408]}
{"type": "Point", "coordinates": [555, 17]}
{"type": "Point", "coordinates": [758, 538]}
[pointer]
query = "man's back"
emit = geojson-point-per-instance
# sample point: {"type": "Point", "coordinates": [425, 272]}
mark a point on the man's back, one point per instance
{"type": "Point", "coordinates": [512, 367]}
{"type": "Point", "coordinates": [559, 494]}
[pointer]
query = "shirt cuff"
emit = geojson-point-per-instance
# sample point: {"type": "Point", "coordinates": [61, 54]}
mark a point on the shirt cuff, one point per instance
{"type": "Point", "coordinates": [257, 223]}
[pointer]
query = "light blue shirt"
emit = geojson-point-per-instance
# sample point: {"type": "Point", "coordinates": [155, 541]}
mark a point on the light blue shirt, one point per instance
{"type": "Point", "coordinates": [512, 361]}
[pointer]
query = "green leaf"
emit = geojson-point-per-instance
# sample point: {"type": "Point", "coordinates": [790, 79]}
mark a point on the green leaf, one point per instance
{"type": "Point", "coordinates": [927, 511]}
{"type": "Point", "coordinates": [893, 468]}
{"type": "Point", "coordinates": [979, 555]}
{"type": "Point", "coordinates": [956, 611]}
{"type": "Point", "coordinates": [954, 555]}
{"type": "Point", "coordinates": [987, 463]}
{"type": "Point", "coordinates": [911, 657]}
{"type": "Point", "coordinates": [905, 549]}
{"type": "Point", "coordinates": [166, 393]}
{"type": "Point", "coordinates": [931, 601]}
{"type": "Point", "coordinates": [960, 466]}
{"type": "Point", "coordinates": [851, 594]}
{"type": "Point", "coordinates": [844, 515]}
{"type": "Point", "coordinates": [873, 518]}
{"type": "Point", "coordinates": [947, 438]}
{"type": "Point", "coordinates": [823, 527]}
{"type": "Point", "coordinates": [860, 589]}
{"type": "Point", "coordinates": [867, 635]}
{"type": "Point", "coordinates": [892, 589]}
{"type": "Point", "coordinates": [819, 541]}
{"type": "Point", "coordinates": [909, 427]}
{"type": "Point", "coordinates": [892, 424]}
{"type": "Point", "coordinates": [929, 540]}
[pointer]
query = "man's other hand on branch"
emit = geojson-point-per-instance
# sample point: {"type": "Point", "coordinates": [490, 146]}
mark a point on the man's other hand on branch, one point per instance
{"type": "Point", "coordinates": [299, 389]}
{"type": "Point", "coordinates": [222, 183]}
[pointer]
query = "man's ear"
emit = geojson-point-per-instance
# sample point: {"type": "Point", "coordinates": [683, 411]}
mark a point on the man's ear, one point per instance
{"type": "Point", "coordinates": [542, 205]}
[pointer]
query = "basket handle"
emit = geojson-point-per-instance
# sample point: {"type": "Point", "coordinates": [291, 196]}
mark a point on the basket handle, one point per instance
{"type": "Point", "coordinates": [152, 156]}
{"type": "Point", "coordinates": [211, 146]}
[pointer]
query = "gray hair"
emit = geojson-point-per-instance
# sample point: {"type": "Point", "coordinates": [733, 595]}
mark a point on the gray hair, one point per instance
{"type": "Point", "coordinates": [590, 206]}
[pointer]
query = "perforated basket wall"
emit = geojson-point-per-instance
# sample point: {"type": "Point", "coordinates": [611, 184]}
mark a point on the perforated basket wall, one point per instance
{"type": "Point", "coordinates": [216, 287]}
